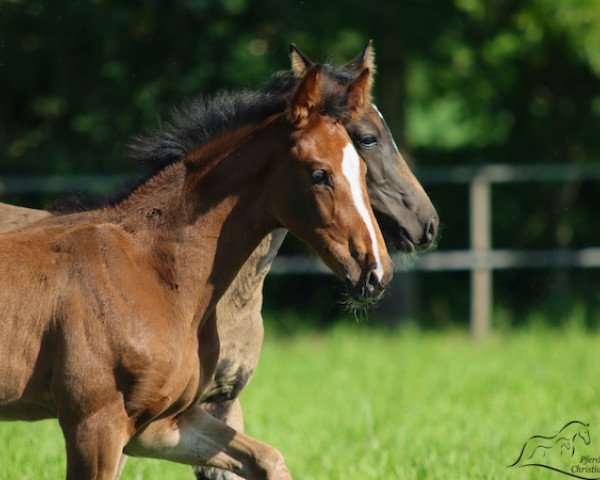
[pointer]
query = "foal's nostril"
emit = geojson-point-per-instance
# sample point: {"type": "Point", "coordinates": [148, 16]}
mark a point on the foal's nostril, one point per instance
{"type": "Point", "coordinates": [373, 281]}
{"type": "Point", "coordinates": [430, 230]}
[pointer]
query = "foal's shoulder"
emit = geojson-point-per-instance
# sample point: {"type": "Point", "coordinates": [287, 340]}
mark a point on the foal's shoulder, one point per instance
{"type": "Point", "coordinates": [90, 237]}
{"type": "Point", "coordinates": [65, 235]}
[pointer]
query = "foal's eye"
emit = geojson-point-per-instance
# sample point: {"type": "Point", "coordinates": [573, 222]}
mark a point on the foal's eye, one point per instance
{"type": "Point", "coordinates": [368, 141]}
{"type": "Point", "coordinates": [320, 177]}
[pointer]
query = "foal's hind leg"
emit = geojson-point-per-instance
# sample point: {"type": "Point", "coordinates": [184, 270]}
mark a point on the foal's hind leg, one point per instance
{"type": "Point", "coordinates": [197, 438]}
{"type": "Point", "coordinates": [231, 414]}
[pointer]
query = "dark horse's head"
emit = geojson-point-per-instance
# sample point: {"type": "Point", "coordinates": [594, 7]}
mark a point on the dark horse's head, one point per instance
{"type": "Point", "coordinates": [405, 214]}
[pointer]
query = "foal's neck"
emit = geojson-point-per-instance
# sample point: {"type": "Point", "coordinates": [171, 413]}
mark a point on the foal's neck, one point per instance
{"type": "Point", "coordinates": [201, 218]}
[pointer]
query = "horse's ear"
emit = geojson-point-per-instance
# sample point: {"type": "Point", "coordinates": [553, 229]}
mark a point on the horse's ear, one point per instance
{"type": "Point", "coordinates": [305, 98]}
{"type": "Point", "coordinates": [300, 62]}
{"type": "Point", "coordinates": [365, 59]}
{"type": "Point", "coordinates": [359, 93]}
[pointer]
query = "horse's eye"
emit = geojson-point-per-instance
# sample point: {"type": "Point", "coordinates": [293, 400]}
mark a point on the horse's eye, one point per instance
{"type": "Point", "coordinates": [320, 177]}
{"type": "Point", "coordinates": [368, 141]}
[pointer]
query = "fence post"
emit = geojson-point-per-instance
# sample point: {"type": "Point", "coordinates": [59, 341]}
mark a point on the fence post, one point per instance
{"type": "Point", "coordinates": [481, 275]}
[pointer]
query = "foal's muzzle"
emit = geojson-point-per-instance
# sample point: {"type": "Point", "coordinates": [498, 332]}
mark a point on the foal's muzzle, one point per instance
{"type": "Point", "coordinates": [370, 285]}
{"type": "Point", "coordinates": [408, 237]}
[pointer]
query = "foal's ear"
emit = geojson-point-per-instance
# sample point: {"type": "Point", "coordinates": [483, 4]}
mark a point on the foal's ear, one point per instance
{"type": "Point", "coordinates": [300, 62]}
{"type": "Point", "coordinates": [359, 93]}
{"type": "Point", "coordinates": [365, 59]}
{"type": "Point", "coordinates": [306, 97]}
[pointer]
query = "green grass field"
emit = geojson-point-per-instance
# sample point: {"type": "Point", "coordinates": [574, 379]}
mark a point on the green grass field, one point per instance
{"type": "Point", "coordinates": [360, 404]}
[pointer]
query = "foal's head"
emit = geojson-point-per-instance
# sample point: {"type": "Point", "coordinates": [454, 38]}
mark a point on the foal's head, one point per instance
{"type": "Point", "coordinates": [405, 214]}
{"type": "Point", "coordinates": [321, 193]}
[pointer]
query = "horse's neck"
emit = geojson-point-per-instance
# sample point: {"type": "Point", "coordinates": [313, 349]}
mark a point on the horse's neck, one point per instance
{"type": "Point", "coordinates": [237, 186]}
{"type": "Point", "coordinates": [156, 207]}
{"type": "Point", "coordinates": [200, 223]}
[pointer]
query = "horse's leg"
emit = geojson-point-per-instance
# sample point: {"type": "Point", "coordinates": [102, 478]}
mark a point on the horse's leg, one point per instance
{"type": "Point", "coordinates": [238, 316]}
{"type": "Point", "coordinates": [94, 445]}
{"type": "Point", "coordinates": [197, 438]}
{"type": "Point", "coordinates": [232, 415]}
{"type": "Point", "coordinates": [122, 462]}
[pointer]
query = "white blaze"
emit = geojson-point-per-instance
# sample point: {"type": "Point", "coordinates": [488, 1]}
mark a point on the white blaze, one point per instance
{"type": "Point", "coordinates": [351, 170]}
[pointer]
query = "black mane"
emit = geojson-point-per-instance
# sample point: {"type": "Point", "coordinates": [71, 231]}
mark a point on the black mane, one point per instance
{"type": "Point", "coordinates": [191, 126]}
{"type": "Point", "coordinates": [201, 120]}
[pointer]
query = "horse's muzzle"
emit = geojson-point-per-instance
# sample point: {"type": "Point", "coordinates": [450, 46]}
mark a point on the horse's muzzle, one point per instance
{"type": "Point", "coordinates": [370, 285]}
{"type": "Point", "coordinates": [408, 237]}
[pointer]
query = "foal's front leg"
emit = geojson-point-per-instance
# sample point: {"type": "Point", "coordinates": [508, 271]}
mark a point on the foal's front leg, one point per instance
{"type": "Point", "coordinates": [94, 444]}
{"type": "Point", "coordinates": [231, 413]}
{"type": "Point", "coordinates": [197, 438]}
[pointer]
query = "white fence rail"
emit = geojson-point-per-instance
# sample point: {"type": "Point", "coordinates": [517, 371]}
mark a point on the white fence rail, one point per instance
{"type": "Point", "coordinates": [481, 260]}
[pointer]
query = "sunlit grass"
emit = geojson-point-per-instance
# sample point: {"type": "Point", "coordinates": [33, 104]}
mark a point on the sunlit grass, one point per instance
{"type": "Point", "coordinates": [358, 404]}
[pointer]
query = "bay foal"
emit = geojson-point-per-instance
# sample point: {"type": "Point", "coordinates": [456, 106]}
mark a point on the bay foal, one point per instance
{"type": "Point", "coordinates": [407, 218]}
{"type": "Point", "coordinates": [106, 314]}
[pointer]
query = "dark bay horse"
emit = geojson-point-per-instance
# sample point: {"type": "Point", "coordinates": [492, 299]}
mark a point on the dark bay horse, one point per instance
{"type": "Point", "coordinates": [409, 221]}
{"type": "Point", "coordinates": [106, 314]}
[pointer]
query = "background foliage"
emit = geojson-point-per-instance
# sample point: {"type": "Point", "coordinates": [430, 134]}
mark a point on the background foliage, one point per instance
{"type": "Point", "coordinates": [460, 82]}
